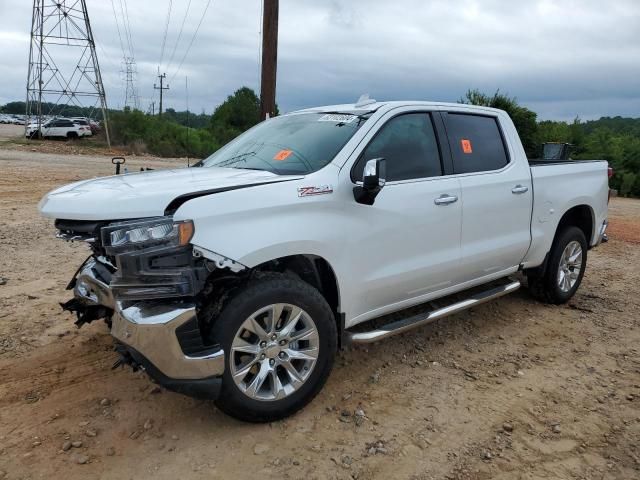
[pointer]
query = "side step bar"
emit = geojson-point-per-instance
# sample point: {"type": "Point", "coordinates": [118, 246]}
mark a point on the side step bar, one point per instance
{"type": "Point", "coordinates": [408, 323]}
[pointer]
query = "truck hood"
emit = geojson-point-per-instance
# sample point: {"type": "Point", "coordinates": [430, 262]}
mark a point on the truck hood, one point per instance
{"type": "Point", "coordinates": [145, 194]}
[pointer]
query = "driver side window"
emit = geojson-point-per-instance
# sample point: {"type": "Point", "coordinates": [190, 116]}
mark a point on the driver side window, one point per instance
{"type": "Point", "coordinates": [408, 143]}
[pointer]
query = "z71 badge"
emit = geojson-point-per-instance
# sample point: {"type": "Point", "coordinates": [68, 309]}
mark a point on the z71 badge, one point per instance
{"type": "Point", "coordinates": [315, 190]}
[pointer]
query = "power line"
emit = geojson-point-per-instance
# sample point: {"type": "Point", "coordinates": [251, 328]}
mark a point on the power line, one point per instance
{"type": "Point", "coordinates": [166, 31]}
{"type": "Point", "coordinates": [127, 25]}
{"type": "Point", "coordinates": [115, 16]}
{"type": "Point", "coordinates": [192, 39]}
{"type": "Point", "coordinates": [175, 47]}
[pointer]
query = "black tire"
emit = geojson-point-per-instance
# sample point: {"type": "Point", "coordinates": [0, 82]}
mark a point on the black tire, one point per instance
{"type": "Point", "coordinates": [545, 286]}
{"type": "Point", "coordinates": [258, 293]}
{"type": "Point", "coordinates": [72, 136]}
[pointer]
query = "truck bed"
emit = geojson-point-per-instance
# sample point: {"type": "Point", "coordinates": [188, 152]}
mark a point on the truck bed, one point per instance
{"type": "Point", "coordinates": [557, 187]}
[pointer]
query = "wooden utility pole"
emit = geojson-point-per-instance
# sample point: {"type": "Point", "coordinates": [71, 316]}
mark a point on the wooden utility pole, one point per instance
{"type": "Point", "coordinates": [269, 59]}
{"type": "Point", "coordinates": [162, 89]}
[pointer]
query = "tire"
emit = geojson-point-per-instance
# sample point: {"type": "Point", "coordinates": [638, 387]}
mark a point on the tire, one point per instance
{"type": "Point", "coordinates": [72, 136]}
{"type": "Point", "coordinates": [552, 286]}
{"type": "Point", "coordinates": [283, 391]}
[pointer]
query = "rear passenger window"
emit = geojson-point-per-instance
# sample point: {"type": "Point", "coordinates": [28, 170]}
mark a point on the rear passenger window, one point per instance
{"type": "Point", "coordinates": [408, 143]}
{"type": "Point", "coordinates": [476, 143]}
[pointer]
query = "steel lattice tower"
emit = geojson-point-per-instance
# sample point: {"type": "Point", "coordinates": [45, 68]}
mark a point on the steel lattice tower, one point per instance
{"type": "Point", "coordinates": [131, 95]}
{"type": "Point", "coordinates": [63, 65]}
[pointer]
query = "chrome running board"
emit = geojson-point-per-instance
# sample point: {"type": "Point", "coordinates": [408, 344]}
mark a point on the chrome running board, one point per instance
{"type": "Point", "coordinates": [414, 321]}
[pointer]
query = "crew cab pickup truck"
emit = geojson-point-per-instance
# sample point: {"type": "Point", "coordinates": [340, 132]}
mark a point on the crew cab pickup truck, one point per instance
{"type": "Point", "coordinates": [240, 277]}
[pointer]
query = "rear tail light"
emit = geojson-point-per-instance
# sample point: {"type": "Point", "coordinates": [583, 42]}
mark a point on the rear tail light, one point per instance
{"type": "Point", "coordinates": [610, 172]}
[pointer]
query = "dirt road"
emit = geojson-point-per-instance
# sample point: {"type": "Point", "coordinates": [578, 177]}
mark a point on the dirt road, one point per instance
{"type": "Point", "coordinates": [510, 390]}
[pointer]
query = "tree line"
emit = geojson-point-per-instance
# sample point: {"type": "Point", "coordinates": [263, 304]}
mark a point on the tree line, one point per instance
{"type": "Point", "coordinates": [616, 139]}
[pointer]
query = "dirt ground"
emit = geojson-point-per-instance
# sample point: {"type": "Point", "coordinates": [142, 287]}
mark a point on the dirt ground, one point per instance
{"type": "Point", "coordinates": [513, 389]}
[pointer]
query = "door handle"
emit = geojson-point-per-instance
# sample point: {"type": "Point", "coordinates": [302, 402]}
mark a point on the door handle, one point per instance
{"type": "Point", "coordinates": [445, 199]}
{"type": "Point", "coordinates": [518, 189]}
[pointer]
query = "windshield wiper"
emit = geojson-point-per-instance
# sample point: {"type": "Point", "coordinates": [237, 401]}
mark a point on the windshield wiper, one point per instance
{"type": "Point", "coordinates": [235, 159]}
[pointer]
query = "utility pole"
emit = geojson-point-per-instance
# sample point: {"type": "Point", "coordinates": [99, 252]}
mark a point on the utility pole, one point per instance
{"type": "Point", "coordinates": [162, 89]}
{"type": "Point", "coordinates": [269, 59]}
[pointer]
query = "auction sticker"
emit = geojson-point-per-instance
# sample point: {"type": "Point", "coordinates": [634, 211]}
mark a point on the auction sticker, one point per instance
{"type": "Point", "coordinates": [338, 118]}
{"type": "Point", "coordinates": [282, 155]}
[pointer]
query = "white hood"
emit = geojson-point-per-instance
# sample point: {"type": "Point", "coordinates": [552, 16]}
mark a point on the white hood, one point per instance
{"type": "Point", "coordinates": [144, 194]}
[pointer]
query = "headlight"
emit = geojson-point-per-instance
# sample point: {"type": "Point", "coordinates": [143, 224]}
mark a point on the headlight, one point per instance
{"type": "Point", "coordinates": [144, 233]}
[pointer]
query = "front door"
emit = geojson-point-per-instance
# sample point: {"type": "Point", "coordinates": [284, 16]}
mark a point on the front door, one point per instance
{"type": "Point", "coordinates": [407, 244]}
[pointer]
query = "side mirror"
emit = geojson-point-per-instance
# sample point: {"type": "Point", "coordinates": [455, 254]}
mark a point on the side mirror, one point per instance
{"type": "Point", "coordinates": [373, 179]}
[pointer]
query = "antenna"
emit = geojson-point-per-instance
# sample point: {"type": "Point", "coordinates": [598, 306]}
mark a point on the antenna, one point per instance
{"type": "Point", "coordinates": [61, 30]}
{"type": "Point", "coordinates": [186, 87]}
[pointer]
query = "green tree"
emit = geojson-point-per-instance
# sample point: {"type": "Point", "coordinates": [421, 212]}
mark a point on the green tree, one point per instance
{"type": "Point", "coordinates": [237, 113]}
{"type": "Point", "coordinates": [523, 118]}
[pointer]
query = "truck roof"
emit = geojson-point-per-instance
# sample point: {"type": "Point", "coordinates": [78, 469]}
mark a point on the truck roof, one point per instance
{"type": "Point", "coordinates": [375, 105]}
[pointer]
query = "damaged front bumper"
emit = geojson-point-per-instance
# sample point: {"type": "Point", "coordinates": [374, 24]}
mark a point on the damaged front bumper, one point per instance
{"type": "Point", "coordinates": [162, 336]}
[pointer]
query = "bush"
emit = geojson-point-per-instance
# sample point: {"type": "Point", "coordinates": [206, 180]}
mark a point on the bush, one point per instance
{"type": "Point", "coordinates": [160, 136]}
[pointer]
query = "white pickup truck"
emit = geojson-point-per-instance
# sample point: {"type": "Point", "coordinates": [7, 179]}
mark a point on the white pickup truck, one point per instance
{"type": "Point", "coordinates": [238, 278]}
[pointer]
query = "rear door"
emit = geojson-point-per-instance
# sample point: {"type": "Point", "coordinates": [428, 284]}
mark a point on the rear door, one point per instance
{"type": "Point", "coordinates": [407, 244]}
{"type": "Point", "coordinates": [496, 195]}
{"type": "Point", "coordinates": [54, 129]}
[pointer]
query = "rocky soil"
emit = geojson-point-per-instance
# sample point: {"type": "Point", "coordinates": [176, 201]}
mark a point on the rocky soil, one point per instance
{"type": "Point", "coordinates": [510, 390]}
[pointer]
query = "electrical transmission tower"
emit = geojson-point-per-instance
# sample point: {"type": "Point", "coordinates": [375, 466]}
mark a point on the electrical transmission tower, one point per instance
{"type": "Point", "coordinates": [60, 30]}
{"type": "Point", "coordinates": [131, 95]}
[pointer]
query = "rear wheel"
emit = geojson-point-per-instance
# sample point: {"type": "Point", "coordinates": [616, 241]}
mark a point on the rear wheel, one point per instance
{"type": "Point", "coordinates": [72, 135]}
{"type": "Point", "coordinates": [280, 339]}
{"type": "Point", "coordinates": [565, 268]}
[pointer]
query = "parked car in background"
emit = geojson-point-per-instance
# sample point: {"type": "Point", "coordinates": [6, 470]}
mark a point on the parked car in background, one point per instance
{"type": "Point", "coordinates": [238, 279]}
{"type": "Point", "coordinates": [85, 127]}
{"type": "Point", "coordinates": [95, 126]}
{"type": "Point", "coordinates": [58, 127]}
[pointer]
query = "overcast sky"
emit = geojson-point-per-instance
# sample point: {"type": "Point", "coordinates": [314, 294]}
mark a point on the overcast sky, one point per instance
{"type": "Point", "coordinates": [560, 58]}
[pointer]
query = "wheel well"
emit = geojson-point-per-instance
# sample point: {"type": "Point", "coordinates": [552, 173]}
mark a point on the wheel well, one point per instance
{"type": "Point", "coordinates": [312, 269]}
{"type": "Point", "coordinates": [579, 216]}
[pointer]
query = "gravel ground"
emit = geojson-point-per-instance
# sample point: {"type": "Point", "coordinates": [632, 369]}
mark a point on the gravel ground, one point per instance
{"type": "Point", "coordinates": [513, 389]}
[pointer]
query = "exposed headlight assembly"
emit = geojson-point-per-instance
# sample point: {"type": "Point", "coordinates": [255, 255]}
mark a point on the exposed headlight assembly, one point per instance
{"type": "Point", "coordinates": [134, 234]}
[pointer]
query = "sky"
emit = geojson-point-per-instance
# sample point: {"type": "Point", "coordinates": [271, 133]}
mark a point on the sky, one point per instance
{"type": "Point", "coordinates": [562, 58]}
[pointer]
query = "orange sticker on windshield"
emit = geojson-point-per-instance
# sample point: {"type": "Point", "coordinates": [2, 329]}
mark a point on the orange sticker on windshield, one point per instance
{"type": "Point", "coordinates": [466, 145]}
{"type": "Point", "coordinates": [282, 155]}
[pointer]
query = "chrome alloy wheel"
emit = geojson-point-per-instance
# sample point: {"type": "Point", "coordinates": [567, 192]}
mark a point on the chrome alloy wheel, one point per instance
{"type": "Point", "coordinates": [274, 352]}
{"type": "Point", "coordinates": [570, 266]}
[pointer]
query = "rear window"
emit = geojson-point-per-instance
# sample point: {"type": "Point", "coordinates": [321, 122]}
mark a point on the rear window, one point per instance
{"type": "Point", "coordinates": [476, 143]}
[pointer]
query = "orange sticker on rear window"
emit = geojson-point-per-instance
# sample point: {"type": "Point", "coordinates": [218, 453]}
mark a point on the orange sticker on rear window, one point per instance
{"type": "Point", "coordinates": [282, 155]}
{"type": "Point", "coordinates": [466, 145]}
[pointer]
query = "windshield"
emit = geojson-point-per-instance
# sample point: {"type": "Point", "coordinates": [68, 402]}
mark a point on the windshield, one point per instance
{"type": "Point", "coordinates": [291, 144]}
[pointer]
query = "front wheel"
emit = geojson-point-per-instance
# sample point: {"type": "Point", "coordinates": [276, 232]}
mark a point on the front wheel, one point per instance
{"type": "Point", "coordinates": [565, 268]}
{"type": "Point", "coordinates": [280, 339]}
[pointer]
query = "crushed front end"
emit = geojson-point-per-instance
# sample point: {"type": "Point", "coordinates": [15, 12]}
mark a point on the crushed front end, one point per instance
{"type": "Point", "coordinates": [143, 279]}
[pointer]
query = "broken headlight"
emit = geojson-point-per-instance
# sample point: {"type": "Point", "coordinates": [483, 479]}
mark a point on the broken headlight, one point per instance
{"type": "Point", "coordinates": [135, 234]}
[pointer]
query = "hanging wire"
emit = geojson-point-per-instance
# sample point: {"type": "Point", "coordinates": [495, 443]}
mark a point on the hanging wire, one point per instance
{"type": "Point", "coordinates": [193, 38]}
{"type": "Point", "coordinates": [175, 47]}
{"type": "Point", "coordinates": [166, 31]}
{"type": "Point", "coordinates": [118, 28]}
